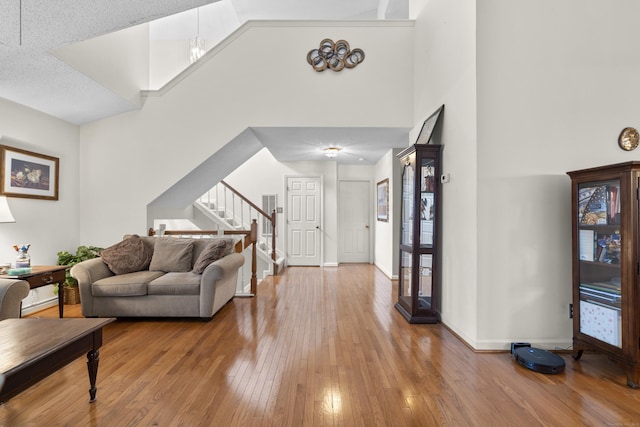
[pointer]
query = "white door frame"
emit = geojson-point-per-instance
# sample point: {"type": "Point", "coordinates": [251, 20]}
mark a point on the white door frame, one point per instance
{"type": "Point", "coordinates": [371, 219]}
{"type": "Point", "coordinates": [286, 215]}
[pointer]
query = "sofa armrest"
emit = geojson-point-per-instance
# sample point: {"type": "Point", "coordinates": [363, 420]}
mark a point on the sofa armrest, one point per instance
{"type": "Point", "coordinates": [223, 267]}
{"type": "Point", "coordinates": [90, 271]}
{"type": "Point", "coordinates": [86, 273]}
{"type": "Point", "coordinates": [218, 283]}
{"type": "Point", "coordinates": [12, 292]}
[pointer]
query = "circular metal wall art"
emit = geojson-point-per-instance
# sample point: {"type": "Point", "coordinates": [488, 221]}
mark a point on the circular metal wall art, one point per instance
{"type": "Point", "coordinates": [335, 56]}
{"type": "Point", "coordinates": [628, 139]}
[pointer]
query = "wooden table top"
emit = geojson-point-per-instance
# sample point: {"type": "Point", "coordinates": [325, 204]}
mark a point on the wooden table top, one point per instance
{"type": "Point", "coordinates": [25, 341]}
{"type": "Point", "coordinates": [36, 269]}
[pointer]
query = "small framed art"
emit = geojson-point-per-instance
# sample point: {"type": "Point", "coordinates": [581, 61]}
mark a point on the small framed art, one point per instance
{"type": "Point", "coordinates": [429, 126]}
{"type": "Point", "coordinates": [382, 203]}
{"type": "Point", "coordinates": [27, 174]}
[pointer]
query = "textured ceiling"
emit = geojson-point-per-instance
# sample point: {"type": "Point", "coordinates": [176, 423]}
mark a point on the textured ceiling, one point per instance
{"type": "Point", "coordinates": [32, 76]}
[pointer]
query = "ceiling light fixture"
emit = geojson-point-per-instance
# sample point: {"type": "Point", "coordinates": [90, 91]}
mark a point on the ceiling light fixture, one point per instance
{"type": "Point", "coordinates": [331, 152]}
{"type": "Point", "coordinates": [196, 46]}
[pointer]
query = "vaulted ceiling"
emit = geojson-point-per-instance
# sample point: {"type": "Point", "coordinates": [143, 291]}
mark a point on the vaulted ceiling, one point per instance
{"type": "Point", "coordinates": [31, 75]}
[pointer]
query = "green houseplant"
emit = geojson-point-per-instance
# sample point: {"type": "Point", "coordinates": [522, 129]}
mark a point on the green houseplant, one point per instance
{"type": "Point", "coordinates": [83, 253]}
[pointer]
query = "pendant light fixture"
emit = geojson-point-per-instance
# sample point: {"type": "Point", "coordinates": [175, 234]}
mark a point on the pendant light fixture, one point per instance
{"type": "Point", "coordinates": [196, 46]}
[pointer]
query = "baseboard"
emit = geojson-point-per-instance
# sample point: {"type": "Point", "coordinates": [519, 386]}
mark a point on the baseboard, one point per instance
{"type": "Point", "coordinates": [505, 345]}
{"type": "Point", "coordinates": [39, 306]}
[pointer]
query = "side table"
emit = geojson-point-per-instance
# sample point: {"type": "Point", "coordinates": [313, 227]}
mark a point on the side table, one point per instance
{"type": "Point", "coordinates": [43, 275]}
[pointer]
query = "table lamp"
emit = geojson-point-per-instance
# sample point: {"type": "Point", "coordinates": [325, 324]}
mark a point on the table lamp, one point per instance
{"type": "Point", "coordinates": [5, 212]}
{"type": "Point", "coordinates": [5, 216]}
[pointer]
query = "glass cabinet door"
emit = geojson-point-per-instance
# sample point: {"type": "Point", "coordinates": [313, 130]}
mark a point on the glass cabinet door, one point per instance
{"type": "Point", "coordinates": [425, 288]}
{"type": "Point", "coordinates": [406, 238]}
{"type": "Point", "coordinates": [599, 252]}
{"type": "Point", "coordinates": [427, 201]}
{"type": "Point", "coordinates": [405, 282]}
{"type": "Point", "coordinates": [408, 177]}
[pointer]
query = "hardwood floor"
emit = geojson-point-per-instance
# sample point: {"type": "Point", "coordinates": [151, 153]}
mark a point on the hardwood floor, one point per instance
{"type": "Point", "coordinates": [318, 347]}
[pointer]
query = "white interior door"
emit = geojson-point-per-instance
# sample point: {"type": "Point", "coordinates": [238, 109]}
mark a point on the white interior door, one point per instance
{"type": "Point", "coordinates": [354, 213]}
{"type": "Point", "coordinates": [303, 221]}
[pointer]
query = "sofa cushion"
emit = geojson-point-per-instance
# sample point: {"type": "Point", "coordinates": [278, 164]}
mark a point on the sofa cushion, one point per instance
{"type": "Point", "coordinates": [131, 284]}
{"type": "Point", "coordinates": [171, 254]}
{"type": "Point", "coordinates": [215, 250]}
{"type": "Point", "coordinates": [127, 256]}
{"type": "Point", "coordinates": [175, 284]}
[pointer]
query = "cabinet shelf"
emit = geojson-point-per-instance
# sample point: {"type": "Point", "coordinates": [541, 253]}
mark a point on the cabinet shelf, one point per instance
{"type": "Point", "coordinates": [600, 264]}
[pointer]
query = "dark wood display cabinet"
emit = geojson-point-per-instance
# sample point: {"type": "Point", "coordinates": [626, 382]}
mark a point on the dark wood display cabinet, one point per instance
{"type": "Point", "coordinates": [606, 264]}
{"type": "Point", "coordinates": [420, 236]}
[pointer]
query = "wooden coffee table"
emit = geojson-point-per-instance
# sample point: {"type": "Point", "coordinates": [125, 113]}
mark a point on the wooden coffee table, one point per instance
{"type": "Point", "coordinates": [32, 349]}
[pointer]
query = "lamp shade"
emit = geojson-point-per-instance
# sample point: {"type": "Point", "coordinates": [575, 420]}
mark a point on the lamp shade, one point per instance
{"type": "Point", "coordinates": [5, 212]}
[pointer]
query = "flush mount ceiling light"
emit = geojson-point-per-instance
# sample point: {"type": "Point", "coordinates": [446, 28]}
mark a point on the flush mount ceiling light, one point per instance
{"type": "Point", "coordinates": [196, 46]}
{"type": "Point", "coordinates": [331, 152]}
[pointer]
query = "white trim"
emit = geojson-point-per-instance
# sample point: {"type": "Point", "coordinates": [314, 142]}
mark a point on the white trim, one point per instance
{"type": "Point", "coordinates": [39, 306]}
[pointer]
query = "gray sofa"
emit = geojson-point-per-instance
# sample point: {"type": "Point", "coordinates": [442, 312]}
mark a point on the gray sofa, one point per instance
{"type": "Point", "coordinates": [174, 280]}
{"type": "Point", "coordinates": [12, 292]}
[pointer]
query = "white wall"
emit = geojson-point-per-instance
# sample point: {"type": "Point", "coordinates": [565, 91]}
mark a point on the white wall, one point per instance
{"type": "Point", "coordinates": [130, 159]}
{"type": "Point", "coordinates": [556, 85]}
{"type": "Point", "coordinates": [49, 226]}
{"type": "Point", "coordinates": [169, 40]}
{"type": "Point", "coordinates": [445, 74]}
{"type": "Point", "coordinates": [119, 61]}
{"type": "Point", "coordinates": [387, 235]}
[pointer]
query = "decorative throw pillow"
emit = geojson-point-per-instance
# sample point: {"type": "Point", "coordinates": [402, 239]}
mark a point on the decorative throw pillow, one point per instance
{"type": "Point", "coordinates": [215, 250]}
{"type": "Point", "coordinates": [171, 254]}
{"type": "Point", "coordinates": [128, 256]}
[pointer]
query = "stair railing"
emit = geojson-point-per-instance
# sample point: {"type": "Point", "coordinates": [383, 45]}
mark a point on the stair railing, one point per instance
{"type": "Point", "coordinates": [234, 205]}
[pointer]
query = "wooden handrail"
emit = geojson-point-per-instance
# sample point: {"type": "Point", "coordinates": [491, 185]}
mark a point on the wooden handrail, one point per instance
{"type": "Point", "coordinates": [247, 201]}
{"type": "Point", "coordinates": [271, 218]}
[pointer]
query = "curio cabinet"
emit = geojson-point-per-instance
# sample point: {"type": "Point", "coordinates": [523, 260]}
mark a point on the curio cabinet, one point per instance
{"type": "Point", "coordinates": [420, 237]}
{"type": "Point", "coordinates": [606, 264]}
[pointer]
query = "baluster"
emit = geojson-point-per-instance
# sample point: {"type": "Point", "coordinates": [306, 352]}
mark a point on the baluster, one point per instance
{"type": "Point", "coordinates": [274, 256]}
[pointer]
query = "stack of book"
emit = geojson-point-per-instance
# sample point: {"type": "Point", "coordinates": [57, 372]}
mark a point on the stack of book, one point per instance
{"type": "Point", "coordinates": [601, 293]}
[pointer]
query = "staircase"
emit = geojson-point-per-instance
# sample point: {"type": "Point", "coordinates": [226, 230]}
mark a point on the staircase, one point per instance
{"type": "Point", "coordinates": [230, 210]}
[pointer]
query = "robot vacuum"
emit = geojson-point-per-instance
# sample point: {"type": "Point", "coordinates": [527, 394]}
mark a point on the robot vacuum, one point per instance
{"type": "Point", "coordinates": [537, 359]}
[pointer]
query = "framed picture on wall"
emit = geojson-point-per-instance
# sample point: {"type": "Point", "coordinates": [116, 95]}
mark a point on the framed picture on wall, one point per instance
{"type": "Point", "coordinates": [27, 174]}
{"type": "Point", "coordinates": [382, 200]}
{"type": "Point", "coordinates": [429, 126]}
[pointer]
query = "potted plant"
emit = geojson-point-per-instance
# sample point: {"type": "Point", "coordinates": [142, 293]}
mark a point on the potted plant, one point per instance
{"type": "Point", "coordinates": [83, 253]}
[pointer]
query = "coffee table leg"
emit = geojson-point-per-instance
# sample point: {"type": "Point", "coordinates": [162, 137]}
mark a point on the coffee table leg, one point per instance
{"type": "Point", "coordinates": [93, 357]}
